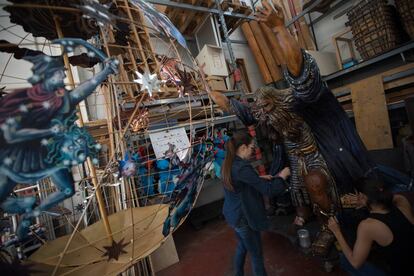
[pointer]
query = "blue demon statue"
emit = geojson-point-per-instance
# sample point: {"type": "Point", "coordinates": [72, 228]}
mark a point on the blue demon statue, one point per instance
{"type": "Point", "coordinates": [187, 188]}
{"type": "Point", "coordinates": [127, 167]}
{"type": "Point", "coordinates": [38, 135]}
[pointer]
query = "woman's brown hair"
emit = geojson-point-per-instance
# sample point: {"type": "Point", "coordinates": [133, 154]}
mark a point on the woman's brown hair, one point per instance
{"type": "Point", "coordinates": [238, 139]}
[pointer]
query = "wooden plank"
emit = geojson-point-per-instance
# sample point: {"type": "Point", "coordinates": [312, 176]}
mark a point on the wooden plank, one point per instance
{"type": "Point", "coordinates": [399, 82]}
{"type": "Point", "coordinates": [400, 95]}
{"type": "Point", "coordinates": [265, 50]}
{"type": "Point", "coordinates": [344, 98]}
{"type": "Point", "coordinates": [295, 27]}
{"type": "Point", "coordinates": [371, 113]}
{"type": "Point", "coordinates": [383, 75]}
{"type": "Point", "coordinates": [335, 39]}
{"type": "Point", "coordinates": [161, 8]}
{"type": "Point", "coordinates": [247, 31]}
{"type": "Point", "coordinates": [304, 28]}
{"type": "Point", "coordinates": [401, 68]}
{"type": "Point", "coordinates": [276, 50]}
{"type": "Point", "coordinates": [189, 17]}
{"type": "Point", "coordinates": [136, 35]}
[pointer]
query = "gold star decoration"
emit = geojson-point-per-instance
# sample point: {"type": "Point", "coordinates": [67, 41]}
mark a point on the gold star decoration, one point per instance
{"type": "Point", "coordinates": [140, 122]}
{"type": "Point", "coordinates": [115, 250]}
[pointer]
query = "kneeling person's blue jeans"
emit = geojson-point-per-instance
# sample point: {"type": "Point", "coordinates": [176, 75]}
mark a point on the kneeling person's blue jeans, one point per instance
{"type": "Point", "coordinates": [250, 241]}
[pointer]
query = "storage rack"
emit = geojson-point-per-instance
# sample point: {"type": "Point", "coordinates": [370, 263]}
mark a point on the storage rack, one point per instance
{"type": "Point", "coordinates": [395, 56]}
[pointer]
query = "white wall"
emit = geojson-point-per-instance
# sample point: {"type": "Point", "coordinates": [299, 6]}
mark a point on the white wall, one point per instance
{"type": "Point", "coordinates": [207, 34]}
{"type": "Point", "coordinates": [15, 72]}
{"type": "Point", "coordinates": [328, 26]}
{"type": "Point", "coordinates": [243, 51]}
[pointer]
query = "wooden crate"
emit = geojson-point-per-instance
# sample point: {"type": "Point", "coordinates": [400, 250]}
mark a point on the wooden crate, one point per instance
{"type": "Point", "coordinates": [341, 37]}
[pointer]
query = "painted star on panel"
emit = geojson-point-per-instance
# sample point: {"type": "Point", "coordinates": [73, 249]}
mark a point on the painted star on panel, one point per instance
{"type": "Point", "coordinates": [115, 250]}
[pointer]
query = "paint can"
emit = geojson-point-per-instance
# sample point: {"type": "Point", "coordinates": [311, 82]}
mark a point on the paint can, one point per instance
{"type": "Point", "coordinates": [304, 238]}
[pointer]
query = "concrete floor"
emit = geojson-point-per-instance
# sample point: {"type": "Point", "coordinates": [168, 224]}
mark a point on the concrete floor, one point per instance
{"type": "Point", "coordinates": [209, 252]}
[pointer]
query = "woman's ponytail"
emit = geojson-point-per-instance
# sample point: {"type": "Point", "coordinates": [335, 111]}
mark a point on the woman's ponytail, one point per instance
{"type": "Point", "coordinates": [238, 139]}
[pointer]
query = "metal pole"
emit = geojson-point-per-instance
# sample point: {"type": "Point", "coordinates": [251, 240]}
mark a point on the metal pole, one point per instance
{"type": "Point", "coordinates": [233, 64]}
{"type": "Point", "coordinates": [197, 8]}
{"type": "Point", "coordinates": [313, 32]}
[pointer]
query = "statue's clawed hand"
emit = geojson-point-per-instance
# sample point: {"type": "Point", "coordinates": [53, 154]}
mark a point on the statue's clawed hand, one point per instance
{"type": "Point", "coordinates": [271, 14]}
{"type": "Point", "coordinates": [111, 64]}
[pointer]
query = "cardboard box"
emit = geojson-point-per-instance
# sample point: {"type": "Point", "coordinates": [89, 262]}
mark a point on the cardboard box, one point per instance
{"type": "Point", "coordinates": [216, 83]}
{"type": "Point", "coordinates": [211, 60]}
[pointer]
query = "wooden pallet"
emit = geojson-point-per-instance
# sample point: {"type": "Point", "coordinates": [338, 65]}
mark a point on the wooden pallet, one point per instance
{"type": "Point", "coordinates": [186, 20]}
{"type": "Point", "coordinates": [234, 6]}
{"type": "Point", "coordinates": [131, 46]}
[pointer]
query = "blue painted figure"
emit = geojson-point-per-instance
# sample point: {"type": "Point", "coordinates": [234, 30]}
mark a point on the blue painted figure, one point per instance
{"type": "Point", "coordinates": [146, 179]}
{"type": "Point", "coordinates": [187, 188]}
{"type": "Point", "coordinates": [167, 173]}
{"type": "Point", "coordinates": [220, 138]}
{"type": "Point", "coordinates": [219, 155]}
{"type": "Point", "coordinates": [38, 136]}
{"type": "Point", "coordinates": [127, 167]}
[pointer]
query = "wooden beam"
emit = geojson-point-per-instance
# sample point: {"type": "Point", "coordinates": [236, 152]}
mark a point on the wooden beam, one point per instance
{"type": "Point", "coordinates": [399, 82]}
{"type": "Point", "coordinates": [276, 50]}
{"type": "Point", "coordinates": [247, 31]}
{"type": "Point", "coordinates": [399, 95]}
{"type": "Point", "coordinates": [264, 48]}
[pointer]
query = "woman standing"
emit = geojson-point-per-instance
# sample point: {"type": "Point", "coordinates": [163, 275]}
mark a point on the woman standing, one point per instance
{"type": "Point", "coordinates": [243, 200]}
{"type": "Point", "coordinates": [389, 225]}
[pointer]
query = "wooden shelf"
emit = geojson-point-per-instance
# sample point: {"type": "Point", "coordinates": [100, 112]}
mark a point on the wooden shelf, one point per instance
{"type": "Point", "coordinates": [370, 62]}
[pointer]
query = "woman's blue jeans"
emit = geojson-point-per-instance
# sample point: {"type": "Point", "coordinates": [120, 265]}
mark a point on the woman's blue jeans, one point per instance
{"type": "Point", "coordinates": [250, 241]}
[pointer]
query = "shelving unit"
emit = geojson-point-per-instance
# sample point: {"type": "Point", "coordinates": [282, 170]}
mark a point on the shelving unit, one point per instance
{"type": "Point", "coordinates": [367, 64]}
{"type": "Point", "coordinates": [190, 8]}
{"type": "Point", "coordinates": [177, 11]}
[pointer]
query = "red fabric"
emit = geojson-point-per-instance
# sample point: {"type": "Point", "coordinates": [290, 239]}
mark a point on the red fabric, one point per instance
{"type": "Point", "coordinates": [237, 75]}
{"type": "Point", "coordinates": [33, 98]}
